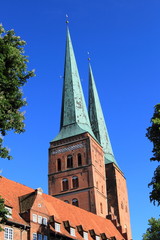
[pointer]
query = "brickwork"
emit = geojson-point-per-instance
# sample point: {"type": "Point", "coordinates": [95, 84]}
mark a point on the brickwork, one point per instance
{"type": "Point", "coordinates": [91, 190]}
{"type": "Point", "coordinates": [18, 233]}
{"type": "Point", "coordinates": [118, 206]}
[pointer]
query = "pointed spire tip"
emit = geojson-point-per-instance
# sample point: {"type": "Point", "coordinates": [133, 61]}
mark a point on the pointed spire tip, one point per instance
{"type": "Point", "coordinates": [67, 19]}
{"type": "Point", "coordinates": [89, 59]}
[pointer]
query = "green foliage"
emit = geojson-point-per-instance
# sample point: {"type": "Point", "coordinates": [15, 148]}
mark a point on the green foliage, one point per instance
{"type": "Point", "coordinates": [155, 183]}
{"type": "Point", "coordinates": [153, 232]}
{"type": "Point", "coordinates": [3, 213]}
{"type": "Point", "coordinates": [13, 76]}
{"type": "Point", "coordinates": [153, 134]}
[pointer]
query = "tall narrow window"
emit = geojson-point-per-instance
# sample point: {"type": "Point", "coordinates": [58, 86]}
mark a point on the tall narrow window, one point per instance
{"type": "Point", "coordinates": [69, 161]}
{"type": "Point", "coordinates": [39, 237]}
{"type": "Point", "coordinates": [59, 164]}
{"type": "Point", "coordinates": [75, 202]}
{"type": "Point", "coordinates": [65, 184]}
{"type": "Point", "coordinates": [75, 182]}
{"type": "Point", "coordinates": [34, 236]}
{"type": "Point", "coordinates": [101, 207]}
{"type": "Point", "coordinates": [102, 188]}
{"type": "Point", "coordinates": [79, 159]}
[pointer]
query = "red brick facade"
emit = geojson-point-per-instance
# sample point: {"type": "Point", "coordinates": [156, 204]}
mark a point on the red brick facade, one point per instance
{"type": "Point", "coordinates": [90, 190]}
{"type": "Point", "coordinates": [38, 216]}
{"type": "Point", "coordinates": [118, 207]}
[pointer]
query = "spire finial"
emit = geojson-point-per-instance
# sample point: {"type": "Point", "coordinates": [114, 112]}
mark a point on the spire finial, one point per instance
{"type": "Point", "coordinates": [89, 59]}
{"type": "Point", "coordinates": [67, 19]}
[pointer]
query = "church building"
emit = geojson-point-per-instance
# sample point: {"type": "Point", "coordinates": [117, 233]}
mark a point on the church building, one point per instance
{"type": "Point", "coordinates": [87, 190]}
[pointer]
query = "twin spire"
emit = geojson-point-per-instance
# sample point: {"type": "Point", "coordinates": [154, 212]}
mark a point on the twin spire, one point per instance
{"type": "Point", "coordinates": [74, 116]}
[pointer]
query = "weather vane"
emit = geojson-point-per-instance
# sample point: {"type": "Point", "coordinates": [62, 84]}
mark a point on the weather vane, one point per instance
{"type": "Point", "coordinates": [89, 59]}
{"type": "Point", "coordinates": [67, 19]}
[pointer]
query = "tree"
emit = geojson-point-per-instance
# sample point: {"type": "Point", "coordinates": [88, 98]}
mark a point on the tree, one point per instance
{"type": "Point", "coordinates": [153, 134]}
{"type": "Point", "coordinates": [3, 213]}
{"type": "Point", "coordinates": [13, 76]}
{"type": "Point", "coordinates": [153, 232]}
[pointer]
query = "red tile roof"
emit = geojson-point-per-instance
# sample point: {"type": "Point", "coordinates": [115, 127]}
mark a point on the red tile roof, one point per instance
{"type": "Point", "coordinates": [11, 191]}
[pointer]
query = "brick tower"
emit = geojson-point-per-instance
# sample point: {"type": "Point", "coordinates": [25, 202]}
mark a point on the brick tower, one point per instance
{"type": "Point", "coordinates": [76, 159]}
{"type": "Point", "coordinates": [82, 167]}
{"type": "Point", "coordinates": [117, 196]}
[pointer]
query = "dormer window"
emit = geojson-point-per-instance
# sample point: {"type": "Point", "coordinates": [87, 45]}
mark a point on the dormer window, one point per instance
{"type": "Point", "coordinates": [97, 237]}
{"type": "Point", "coordinates": [70, 229]}
{"type": "Point", "coordinates": [93, 235]}
{"type": "Point", "coordinates": [57, 227]}
{"type": "Point", "coordinates": [85, 235]}
{"type": "Point", "coordinates": [9, 214]}
{"type": "Point", "coordinates": [82, 232]}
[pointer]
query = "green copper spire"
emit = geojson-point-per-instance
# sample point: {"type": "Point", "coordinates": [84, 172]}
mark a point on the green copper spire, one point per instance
{"type": "Point", "coordinates": [74, 115]}
{"type": "Point", "coordinates": [97, 120]}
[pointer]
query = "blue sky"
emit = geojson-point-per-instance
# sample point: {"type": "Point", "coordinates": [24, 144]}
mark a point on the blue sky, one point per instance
{"type": "Point", "coordinates": [123, 38]}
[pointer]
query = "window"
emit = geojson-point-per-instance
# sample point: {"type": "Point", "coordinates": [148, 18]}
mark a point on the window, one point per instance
{"type": "Point", "coordinates": [44, 221]}
{"type": "Point", "coordinates": [85, 235]}
{"type": "Point", "coordinates": [98, 237]}
{"type": "Point", "coordinates": [34, 218]}
{"type": "Point", "coordinates": [75, 202]}
{"type": "Point", "coordinates": [65, 184]}
{"type": "Point", "coordinates": [102, 189]}
{"type": "Point", "coordinates": [45, 237]}
{"type": "Point", "coordinates": [9, 215]}
{"type": "Point", "coordinates": [101, 207]}
{"type": "Point", "coordinates": [72, 231]}
{"type": "Point", "coordinates": [66, 201]}
{"type": "Point", "coordinates": [69, 161]}
{"type": "Point", "coordinates": [40, 219]}
{"type": "Point", "coordinates": [39, 236]}
{"type": "Point", "coordinates": [75, 182]}
{"type": "Point", "coordinates": [59, 164]}
{"type": "Point", "coordinates": [34, 236]}
{"type": "Point", "coordinates": [79, 159]}
{"type": "Point", "coordinates": [8, 233]}
{"type": "Point", "coordinates": [57, 227]}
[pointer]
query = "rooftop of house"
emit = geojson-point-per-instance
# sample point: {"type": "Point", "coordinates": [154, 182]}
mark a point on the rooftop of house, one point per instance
{"type": "Point", "coordinates": [22, 198]}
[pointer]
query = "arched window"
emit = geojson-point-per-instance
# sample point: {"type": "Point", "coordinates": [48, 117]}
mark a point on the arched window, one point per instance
{"type": "Point", "coordinates": [75, 202]}
{"type": "Point", "coordinates": [66, 201]}
{"type": "Point", "coordinates": [58, 164]}
{"type": "Point", "coordinates": [65, 184]}
{"type": "Point", "coordinates": [69, 161]}
{"type": "Point", "coordinates": [79, 159]}
{"type": "Point", "coordinates": [75, 182]}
